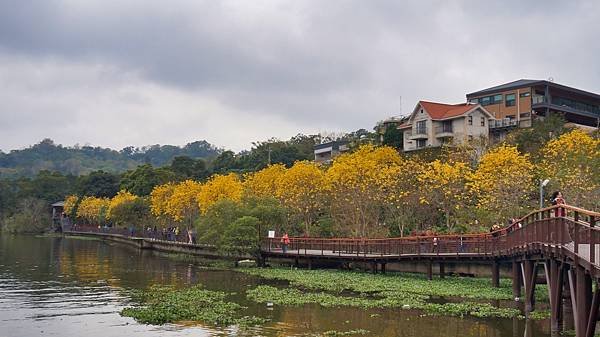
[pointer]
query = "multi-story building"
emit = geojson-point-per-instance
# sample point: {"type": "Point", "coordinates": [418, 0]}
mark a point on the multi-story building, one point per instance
{"type": "Point", "coordinates": [518, 103]}
{"type": "Point", "coordinates": [434, 124]}
{"type": "Point", "coordinates": [325, 152]}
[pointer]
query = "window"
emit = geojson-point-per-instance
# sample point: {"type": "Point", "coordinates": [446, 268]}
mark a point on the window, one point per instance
{"type": "Point", "coordinates": [421, 143]}
{"type": "Point", "coordinates": [510, 100]}
{"type": "Point", "coordinates": [497, 99]}
{"type": "Point", "coordinates": [485, 100]}
{"type": "Point", "coordinates": [470, 119]}
{"type": "Point", "coordinates": [421, 127]}
{"type": "Point", "coordinates": [482, 121]}
{"type": "Point", "coordinates": [524, 94]}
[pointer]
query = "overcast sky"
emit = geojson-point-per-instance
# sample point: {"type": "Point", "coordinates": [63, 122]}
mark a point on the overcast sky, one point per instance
{"type": "Point", "coordinates": [118, 73]}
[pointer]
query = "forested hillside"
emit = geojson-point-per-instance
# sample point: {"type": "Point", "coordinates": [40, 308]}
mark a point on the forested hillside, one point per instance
{"type": "Point", "coordinates": [80, 160]}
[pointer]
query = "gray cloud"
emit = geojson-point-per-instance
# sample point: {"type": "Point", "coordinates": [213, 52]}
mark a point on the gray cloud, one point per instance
{"type": "Point", "coordinates": [124, 72]}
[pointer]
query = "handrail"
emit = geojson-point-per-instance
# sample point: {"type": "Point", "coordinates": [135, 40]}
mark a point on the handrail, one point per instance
{"type": "Point", "coordinates": [502, 231]}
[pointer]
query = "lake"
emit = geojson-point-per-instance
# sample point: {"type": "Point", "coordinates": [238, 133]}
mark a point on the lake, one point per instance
{"type": "Point", "coordinates": [56, 286]}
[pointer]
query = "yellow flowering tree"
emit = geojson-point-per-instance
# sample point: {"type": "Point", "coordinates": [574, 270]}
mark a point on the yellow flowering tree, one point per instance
{"type": "Point", "coordinates": [572, 162]}
{"type": "Point", "coordinates": [93, 210]}
{"type": "Point", "coordinates": [70, 205]}
{"type": "Point", "coordinates": [300, 189]}
{"type": "Point", "coordinates": [159, 200]}
{"type": "Point", "coordinates": [220, 187]}
{"type": "Point", "coordinates": [181, 201]}
{"type": "Point", "coordinates": [361, 184]}
{"type": "Point", "coordinates": [502, 182]}
{"type": "Point", "coordinates": [263, 183]}
{"type": "Point", "coordinates": [443, 185]}
{"type": "Point", "coordinates": [127, 209]}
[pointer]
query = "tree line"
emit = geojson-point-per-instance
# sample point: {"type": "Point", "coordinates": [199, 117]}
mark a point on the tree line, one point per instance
{"type": "Point", "coordinates": [373, 191]}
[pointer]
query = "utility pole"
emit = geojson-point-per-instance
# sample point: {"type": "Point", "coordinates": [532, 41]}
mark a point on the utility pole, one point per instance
{"type": "Point", "coordinates": [269, 154]}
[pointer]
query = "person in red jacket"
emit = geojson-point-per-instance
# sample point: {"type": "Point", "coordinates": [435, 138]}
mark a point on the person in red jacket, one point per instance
{"type": "Point", "coordinates": [285, 241]}
{"type": "Point", "coordinates": [557, 199]}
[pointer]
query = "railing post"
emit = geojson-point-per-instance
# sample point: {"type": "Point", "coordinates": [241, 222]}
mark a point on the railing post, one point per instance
{"type": "Point", "coordinates": [592, 239]}
{"type": "Point", "coordinates": [575, 237]}
{"type": "Point", "coordinates": [419, 246]}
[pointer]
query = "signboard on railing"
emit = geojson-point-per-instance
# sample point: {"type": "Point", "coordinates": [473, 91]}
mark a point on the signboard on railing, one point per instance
{"type": "Point", "coordinates": [271, 234]}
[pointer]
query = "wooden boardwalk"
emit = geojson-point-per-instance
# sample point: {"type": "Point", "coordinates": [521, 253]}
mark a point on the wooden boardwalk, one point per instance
{"type": "Point", "coordinates": [563, 241]}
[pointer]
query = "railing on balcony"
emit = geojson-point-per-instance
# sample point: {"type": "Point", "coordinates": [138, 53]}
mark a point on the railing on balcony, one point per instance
{"type": "Point", "coordinates": [416, 132]}
{"type": "Point", "coordinates": [537, 99]}
{"type": "Point", "coordinates": [502, 123]}
{"type": "Point", "coordinates": [444, 128]}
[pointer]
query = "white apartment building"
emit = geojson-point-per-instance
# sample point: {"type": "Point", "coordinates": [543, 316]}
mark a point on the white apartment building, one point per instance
{"type": "Point", "coordinates": [434, 124]}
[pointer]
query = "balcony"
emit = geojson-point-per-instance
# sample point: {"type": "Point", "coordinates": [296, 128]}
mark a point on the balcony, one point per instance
{"type": "Point", "coordinates": [503, 123]}
{"type": "Point", "coordinates": [418, 133]}
{"type": "Point", "coordinates": [538, 99]}
{"type": "Point", "coordinates": [444, 130]}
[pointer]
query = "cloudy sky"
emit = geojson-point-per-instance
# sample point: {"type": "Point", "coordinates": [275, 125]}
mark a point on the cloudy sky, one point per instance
{"type": "Point", "coordinates": [118, 73]}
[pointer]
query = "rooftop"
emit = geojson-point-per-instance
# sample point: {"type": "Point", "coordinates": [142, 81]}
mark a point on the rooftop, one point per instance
{"type": "Point", "coordinates": [523, 83]}
{"type": "Point", "coordinates": [444, 111]}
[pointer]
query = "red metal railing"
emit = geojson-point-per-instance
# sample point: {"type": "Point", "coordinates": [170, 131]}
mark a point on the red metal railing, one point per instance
{"type": "Point", "coordinates": [565, 226]}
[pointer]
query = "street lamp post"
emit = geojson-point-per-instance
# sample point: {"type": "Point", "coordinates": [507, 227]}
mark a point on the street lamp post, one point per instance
{"type": "Point", "coordinates": [543, 184]}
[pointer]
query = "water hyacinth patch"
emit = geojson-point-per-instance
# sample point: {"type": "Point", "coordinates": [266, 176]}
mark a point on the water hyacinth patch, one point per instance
{"type": "Point", "coordinates": [296, 297]}
{"type": "Point", "coordinates": [164, 304]}
{"type": "Point", "coordinates": [329, 288]}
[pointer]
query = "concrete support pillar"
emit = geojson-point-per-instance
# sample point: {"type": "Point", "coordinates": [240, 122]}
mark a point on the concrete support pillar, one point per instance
{"type": "Point", "coordinates": [516, 279]}
{"type": "Point", "coordinates": [495, 274]}
{"type": "Point", "coordinates": [442, 270]}
{"type": "Point", "coordinates": [383, 267]}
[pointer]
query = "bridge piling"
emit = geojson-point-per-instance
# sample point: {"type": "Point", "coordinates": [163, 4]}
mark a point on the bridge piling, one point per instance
{"type": "Point", "coordinates": [429, 269]}
{"type": "Point", "coordinates": [495, 274]}
{"type": "Point", "coordinates": [516, 279]}
{"type": "Point", "coordinates": [530, 273]}
{"type": "Point", "coordinates": [583, 303]}
{"type": "Point", "coordinates": [442, 270]}
{"type": "Point", "coordinates": [555, 283]}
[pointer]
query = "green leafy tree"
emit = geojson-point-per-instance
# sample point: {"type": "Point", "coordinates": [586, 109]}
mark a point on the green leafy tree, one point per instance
{"type": "Point", "coordinates": [241, 237]}
{"type": "Point", "coordinates": [98, 184]}
{"type": "Point", "coordinates": [185, 167]}
{"type": "Point", "coordinates": [393, 137]}
{"type": "Point", "coordinates": [142, 180]}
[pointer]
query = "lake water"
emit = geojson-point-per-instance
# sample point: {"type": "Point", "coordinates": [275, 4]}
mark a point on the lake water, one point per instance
{"type": "Point", "coordinates": [54, 286]}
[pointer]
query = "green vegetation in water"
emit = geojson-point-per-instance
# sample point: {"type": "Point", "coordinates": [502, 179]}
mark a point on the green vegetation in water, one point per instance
{"type": "Point", "coordinates": [539, 314]}
{"type": "Point", "coordinates": [396, 284]}
{"type": "Point", "coordinates": [393, 290]}
{"type": "Point", "coordinates": [296, 297]}
{"type": "Point", "coordinates": [162, 304]}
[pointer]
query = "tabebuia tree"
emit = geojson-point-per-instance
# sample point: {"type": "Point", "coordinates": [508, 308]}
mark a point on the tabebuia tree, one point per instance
{"type": "Point", "coordinates": [503, 182]}
{"type": "Point", "coordinates": [301, 190]}
{"type": "Point", "coordinates": [93, 210]}
{"type": "Point", "coordinates": [572, 162]}
{"type": "Point", "coordinates": [220, 187]}
{"type": "Point", "coordinates": [361, 184]}
{"type": "Point", "coordinates": [128, 210]}
{"type": "Point", "coordinates": [443, 186]}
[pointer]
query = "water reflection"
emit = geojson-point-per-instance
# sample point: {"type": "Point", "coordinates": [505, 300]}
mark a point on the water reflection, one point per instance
{"type": "Point", "coordinates": [56, 286]}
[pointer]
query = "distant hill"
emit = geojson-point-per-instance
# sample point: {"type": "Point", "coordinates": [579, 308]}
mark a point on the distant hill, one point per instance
{"type": "Point", "coordinates": [81, 160]}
